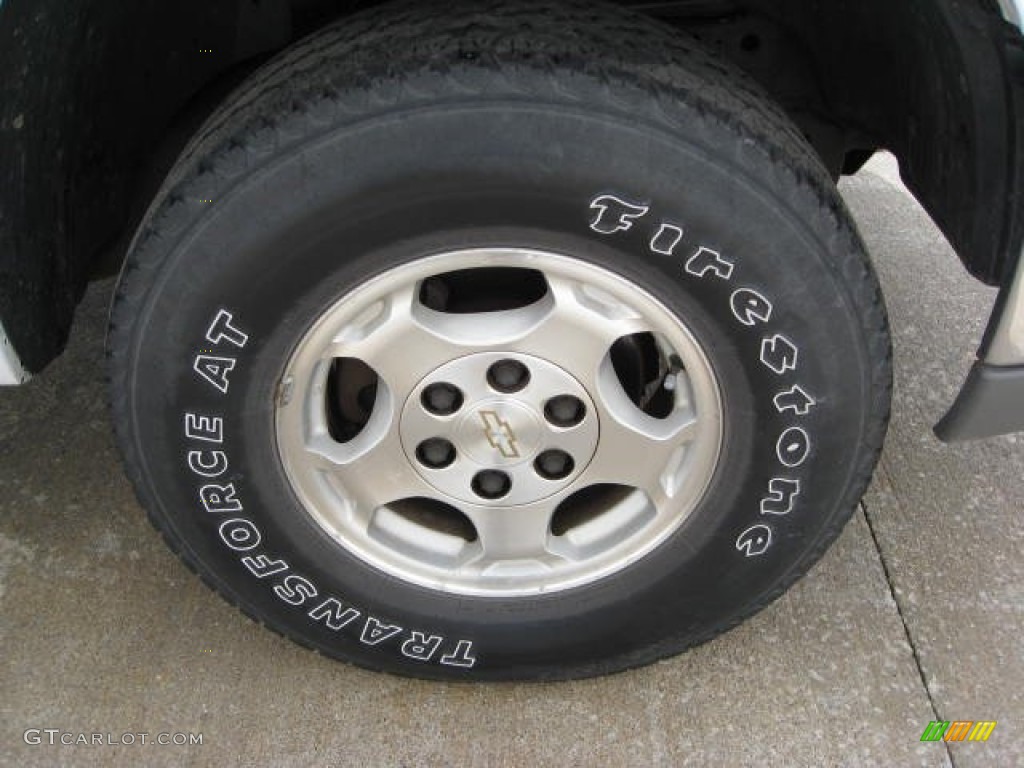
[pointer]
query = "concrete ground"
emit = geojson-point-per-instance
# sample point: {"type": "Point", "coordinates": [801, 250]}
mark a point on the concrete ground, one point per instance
{"type": "Point", "coordinates": [914, 615]}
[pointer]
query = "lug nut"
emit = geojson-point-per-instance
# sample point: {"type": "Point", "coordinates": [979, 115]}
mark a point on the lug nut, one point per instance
{"type": "Point", "coordinates": [442, 399]}
{"type": "Point", "coordinates": [491, 484]}
{"type": "Point", "coordinates": [554, 465]}
{"type": "Point", "coordinates": [508, 376]}
{"type": "Point", "coordinates": [435, 453]}
{"type": "Point", "coordinates": [565, 411]}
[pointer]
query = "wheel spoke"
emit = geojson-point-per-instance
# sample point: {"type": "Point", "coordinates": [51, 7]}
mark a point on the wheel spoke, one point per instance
{"type": "Point", "coordinates": [399, 338]}
{"type": "Point", "coordinates": [637, 449]}
{"type": "Point", "coordinates": [577, 326]}
{"type": "Point", "coordinates": [371, 472]}
{"type": "Point", "coordinates": [512, 533]}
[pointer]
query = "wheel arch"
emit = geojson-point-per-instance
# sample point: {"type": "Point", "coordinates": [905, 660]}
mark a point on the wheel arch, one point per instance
{"type": "Point", "coordinates": [108, 95]}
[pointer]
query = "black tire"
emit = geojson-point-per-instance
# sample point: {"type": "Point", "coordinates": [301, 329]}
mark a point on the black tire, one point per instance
{"type": "Point", "coordinates": [398, 133]}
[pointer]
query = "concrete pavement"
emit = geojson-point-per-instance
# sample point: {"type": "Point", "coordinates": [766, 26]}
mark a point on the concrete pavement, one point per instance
{"type": "Point", "coordinates": [914, 615]}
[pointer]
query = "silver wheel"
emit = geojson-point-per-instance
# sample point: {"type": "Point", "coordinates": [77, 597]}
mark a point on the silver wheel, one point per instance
{"type": "Point", "coordinates": [548, 431]}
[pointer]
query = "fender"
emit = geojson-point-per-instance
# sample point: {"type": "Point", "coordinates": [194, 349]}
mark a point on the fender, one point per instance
{"type": "Point", "coordinates": [991, 401]}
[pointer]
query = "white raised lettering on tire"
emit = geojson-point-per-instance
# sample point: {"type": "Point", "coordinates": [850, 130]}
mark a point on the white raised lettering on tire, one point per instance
{"type": "Point", "coordinates": [215, 369]}
{"type": "Point", "coordinates": [421, 647]}
{"type": "Point", "coordinates": [750, 307]}
{"type": "Point", "coordinates": [793, 447]}
{"type": "Point", "coordinates": [295, 589]}
{"type": "Point", "coordinates": [208, 463]}
{"type": "Point", "coordinates": [666, 239]}
{"type": "Point", "coordinates": [376, 632]}
{"type": "Point", "coordinates": [779, 354]}
{"type": "Point", "coordinates": [755, 540]}
{"type": "Point", "coordinates": [796, 400]}
{"type": "Point", "coordinates": [240, 534]}
{"type": "Point", "coordinates": [262, 566]}
{"type": "Point", "coordinates": [209, 429]}
{"type": "Point", "coordinates": [334, 614]}
{"type": "Point", "coordinates": [781, 493]}
{"type": "Point", "coordinates": [706, 260]}
{"type": "Point", "coordinates": [614, 215]}
{"type": "Point", "coordinates": [462, 656]}
{"type": "Point", "coordinates": [220, 498]}
{"type": "Point", "coordinates": [222, 329]}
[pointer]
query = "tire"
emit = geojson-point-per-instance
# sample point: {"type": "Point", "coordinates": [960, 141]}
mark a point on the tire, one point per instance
{"type": "Point", "coordinates": [414, 256]}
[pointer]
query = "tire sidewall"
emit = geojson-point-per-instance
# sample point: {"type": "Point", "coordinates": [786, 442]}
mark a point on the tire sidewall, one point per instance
{"type": "Point", "coordinates": [287, 239]}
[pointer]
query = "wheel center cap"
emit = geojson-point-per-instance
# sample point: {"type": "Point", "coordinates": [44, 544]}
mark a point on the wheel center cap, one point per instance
{"type": "Point", "coordinates": [499, 432]}
{"type": "Point", "coordinates": [499, 429]}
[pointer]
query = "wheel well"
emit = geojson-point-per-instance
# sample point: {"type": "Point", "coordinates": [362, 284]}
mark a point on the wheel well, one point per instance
{"type": "Point", "coordinates": [931, 81]}
{"type": "Point", "coordinates": [107, 94]}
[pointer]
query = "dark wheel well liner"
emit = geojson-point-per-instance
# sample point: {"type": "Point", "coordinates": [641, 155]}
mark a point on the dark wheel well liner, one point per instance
{"type": "Point", "coordinates": [104, 95]}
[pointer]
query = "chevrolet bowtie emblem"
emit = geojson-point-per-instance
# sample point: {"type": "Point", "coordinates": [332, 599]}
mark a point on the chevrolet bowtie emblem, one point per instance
{"type": "Point", "coordinates": [499, 434]}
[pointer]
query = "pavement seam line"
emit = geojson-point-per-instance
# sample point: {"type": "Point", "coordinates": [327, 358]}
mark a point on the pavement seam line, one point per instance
{"type": "Point", "coordinates": [903, 619]}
